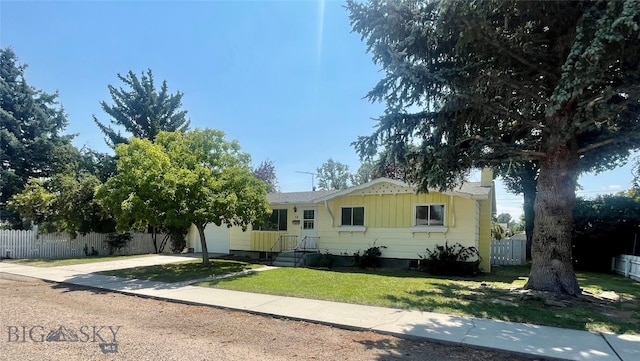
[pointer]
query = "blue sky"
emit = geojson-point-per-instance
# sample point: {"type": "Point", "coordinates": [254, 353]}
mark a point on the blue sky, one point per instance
{"type": "Point", "coordinates": [284, 78]}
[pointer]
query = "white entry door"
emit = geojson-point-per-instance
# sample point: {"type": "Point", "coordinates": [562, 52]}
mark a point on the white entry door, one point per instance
{"type": "Point", "coordinates": [308, 229]}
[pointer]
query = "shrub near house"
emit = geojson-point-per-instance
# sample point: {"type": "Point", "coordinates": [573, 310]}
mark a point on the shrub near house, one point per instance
{"type": "Point", "coordinates": [455, 260]}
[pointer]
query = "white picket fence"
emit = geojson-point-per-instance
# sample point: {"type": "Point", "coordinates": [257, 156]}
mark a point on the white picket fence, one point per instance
{"type": "Point", "coordinates": [508, 252]}
{"type": "Point", "coordinates": [31, 245]}
{"type": "Point", "coordinates": [626, 265]}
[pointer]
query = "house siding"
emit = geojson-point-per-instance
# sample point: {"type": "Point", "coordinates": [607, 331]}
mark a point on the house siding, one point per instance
{"type": "Point", "coordinates": [263, 240]}
{"type": "Point", "coordinates": [389, 222]}
{"type": "Point", "coordinates": [239, 239]}
{"type": "Point", "coordinates": [389, 211]}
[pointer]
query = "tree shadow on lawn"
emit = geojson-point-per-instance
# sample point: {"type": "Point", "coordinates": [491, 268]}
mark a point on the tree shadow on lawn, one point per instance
{"type": "Point", "coordinates": [181, 272]}
{"type": "Point", "coordinates": [508, 305]}
{"type": "Point", "coordinates": [507, 274]}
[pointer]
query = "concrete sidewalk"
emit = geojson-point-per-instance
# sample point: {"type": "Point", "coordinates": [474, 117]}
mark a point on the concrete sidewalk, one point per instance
{"type": "Point", "coordinates": [544, 341]}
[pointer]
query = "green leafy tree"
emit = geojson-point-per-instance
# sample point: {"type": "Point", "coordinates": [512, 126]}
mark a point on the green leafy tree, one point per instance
{"type": "Point", "coordinates": [486, 83]}
{"type": "Point", "coordinates": [333, 175]}
{"type": "Point", "coordinates": [33, 204]}
{"type": "Point", "coordinates": [517, 227]}
{"type": "Point", "coordinates": [64, 203]}
{"type": "Point", "coordinates": [197, 177]}
{"type": "Point", "coordinates": [633, 193]}
{"type": "Point", "coordinates": [134, 194]}
{"type": "Point", "coordinates": [141, 110]}
{"type": "Point", "coordinates": [365, 173]}
{"type": "Point", "coordinates": [504, 218]}
{"type": "Point", "coordinates": [31, 143]}
{"type": "Point", "coordinates": [75, 209]}
{"type": "Point", "coordinates": [497, 232]}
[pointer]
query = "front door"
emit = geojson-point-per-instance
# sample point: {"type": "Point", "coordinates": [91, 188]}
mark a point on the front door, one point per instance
{"type": "Point", "coordinates": [308, 229]}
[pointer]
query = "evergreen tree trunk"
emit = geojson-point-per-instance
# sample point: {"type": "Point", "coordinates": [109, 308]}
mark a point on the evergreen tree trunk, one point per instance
{"type": "Point", "coordinates": [552, 269]}
{"type": "Point", "coordinates": [203, 243]}
{"type": "Point", "coordinates": [529, 193]}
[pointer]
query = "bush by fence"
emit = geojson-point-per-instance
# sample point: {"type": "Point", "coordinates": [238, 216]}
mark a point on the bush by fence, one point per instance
{"type": "Point", "coordinates": [603, 228]}
{"type": "Point", "coordinates": [31, 245]}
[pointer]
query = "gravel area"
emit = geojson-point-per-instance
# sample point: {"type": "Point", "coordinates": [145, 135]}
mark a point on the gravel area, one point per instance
{"type": "Point", "coordinates": [80, 324]}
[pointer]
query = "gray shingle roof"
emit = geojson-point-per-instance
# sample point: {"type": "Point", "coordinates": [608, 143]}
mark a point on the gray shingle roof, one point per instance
{"type": "Point", "coordinates": [473, 189]}
{"type": "Point", "coordinates": [298, 197]}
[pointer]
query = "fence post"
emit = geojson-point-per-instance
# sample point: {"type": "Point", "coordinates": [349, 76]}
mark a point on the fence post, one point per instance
{"type": "Point", "coordinates": [627, 268]}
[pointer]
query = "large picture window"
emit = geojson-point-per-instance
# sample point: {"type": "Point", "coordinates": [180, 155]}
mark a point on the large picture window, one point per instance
{"type": "Point", "coordinates": [352, 216]}
{"type": "Point", "coordinates": [429, 215]}
{"type": "Point", "coordinates": [277, 221]}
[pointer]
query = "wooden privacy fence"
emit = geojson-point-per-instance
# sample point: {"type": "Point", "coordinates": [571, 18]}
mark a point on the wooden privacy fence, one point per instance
{"type": "Point", "coordinates": [508, 252]}
{"type": "Point", "coordinates": [30, 244]}
{"type": "Point", "coordinates": [626, 265]}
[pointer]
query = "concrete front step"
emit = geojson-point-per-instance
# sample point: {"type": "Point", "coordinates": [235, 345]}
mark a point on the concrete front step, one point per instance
{"type": "Point", "coordinates": [288, 259]}
{"type": "Point", "coordinates": [283, 264]}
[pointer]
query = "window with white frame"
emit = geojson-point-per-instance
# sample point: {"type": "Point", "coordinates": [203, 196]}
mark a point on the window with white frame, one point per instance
{"type": "Point", "coordinates": [352, 216]}
{"type": "Point", "coordinates": [429, 215]}
{"type": "Point", "coordinates": [308, 219]}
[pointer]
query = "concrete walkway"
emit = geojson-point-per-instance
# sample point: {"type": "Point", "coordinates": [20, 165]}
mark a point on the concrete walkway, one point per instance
{"type": "Point", "coordinates": [544, 341]}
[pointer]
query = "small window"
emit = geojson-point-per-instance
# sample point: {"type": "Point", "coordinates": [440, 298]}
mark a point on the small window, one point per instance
{"type": "Point", "coordinates": [309, 218]}
{"type": "Point", "coordinates": [430, 215]}
{"type": "Point", "coordinates": [352, 216]}
{"type": "Point", "coordinates": [277, 221]}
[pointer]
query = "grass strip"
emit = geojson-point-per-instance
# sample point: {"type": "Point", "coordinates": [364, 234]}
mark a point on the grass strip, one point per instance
{"type": "Point", "coordinates": [493, 296]}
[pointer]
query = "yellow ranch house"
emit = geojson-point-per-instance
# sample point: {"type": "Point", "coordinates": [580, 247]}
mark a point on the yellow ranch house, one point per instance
{"type": "Point", "coordinates": [383, 212]}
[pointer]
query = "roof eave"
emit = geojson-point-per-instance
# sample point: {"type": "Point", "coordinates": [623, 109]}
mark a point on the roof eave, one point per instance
{"type": "Point", "coordinates": [347, 191]}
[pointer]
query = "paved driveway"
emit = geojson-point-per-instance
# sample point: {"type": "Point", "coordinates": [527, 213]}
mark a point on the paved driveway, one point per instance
{"type": "Point", "coordinates": [150, 260]}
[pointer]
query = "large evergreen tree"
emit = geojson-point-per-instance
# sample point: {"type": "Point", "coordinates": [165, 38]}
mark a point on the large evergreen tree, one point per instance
{"type": "Point", "coordinates": [478, 83]}
{"type": "Point", "coordinates": [31, 143]}
{"type": "Point", "coordinates": [141, 110]}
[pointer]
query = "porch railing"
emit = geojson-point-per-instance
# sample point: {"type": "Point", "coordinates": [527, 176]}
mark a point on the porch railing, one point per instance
{"type": "Point", "coordinates": [285, 243]}
{"type": "Point", "coordinates": [308, 244]}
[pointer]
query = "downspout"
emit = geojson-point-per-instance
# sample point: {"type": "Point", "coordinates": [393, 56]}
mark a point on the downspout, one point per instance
{"type": "Point", "coordinates": [326, 205]}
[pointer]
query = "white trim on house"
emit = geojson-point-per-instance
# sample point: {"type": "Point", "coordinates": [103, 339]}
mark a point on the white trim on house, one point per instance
{"type": "Point", "coordinates": [415, 215]}
{"type": "Point", "coordinates": [364, 216]}
{"type": "Point", "coordinates": [470, 190]}
{"type": "Point", "coordinates": [352, 229]}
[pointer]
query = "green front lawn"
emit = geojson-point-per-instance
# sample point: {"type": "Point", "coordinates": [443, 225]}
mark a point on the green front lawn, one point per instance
{"type": "Point", "coordinates": [183, 271]}
{"type": "Point", "coordinates": [69, 261]}
{"type": "Point", "coordinates": [487, 296]}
